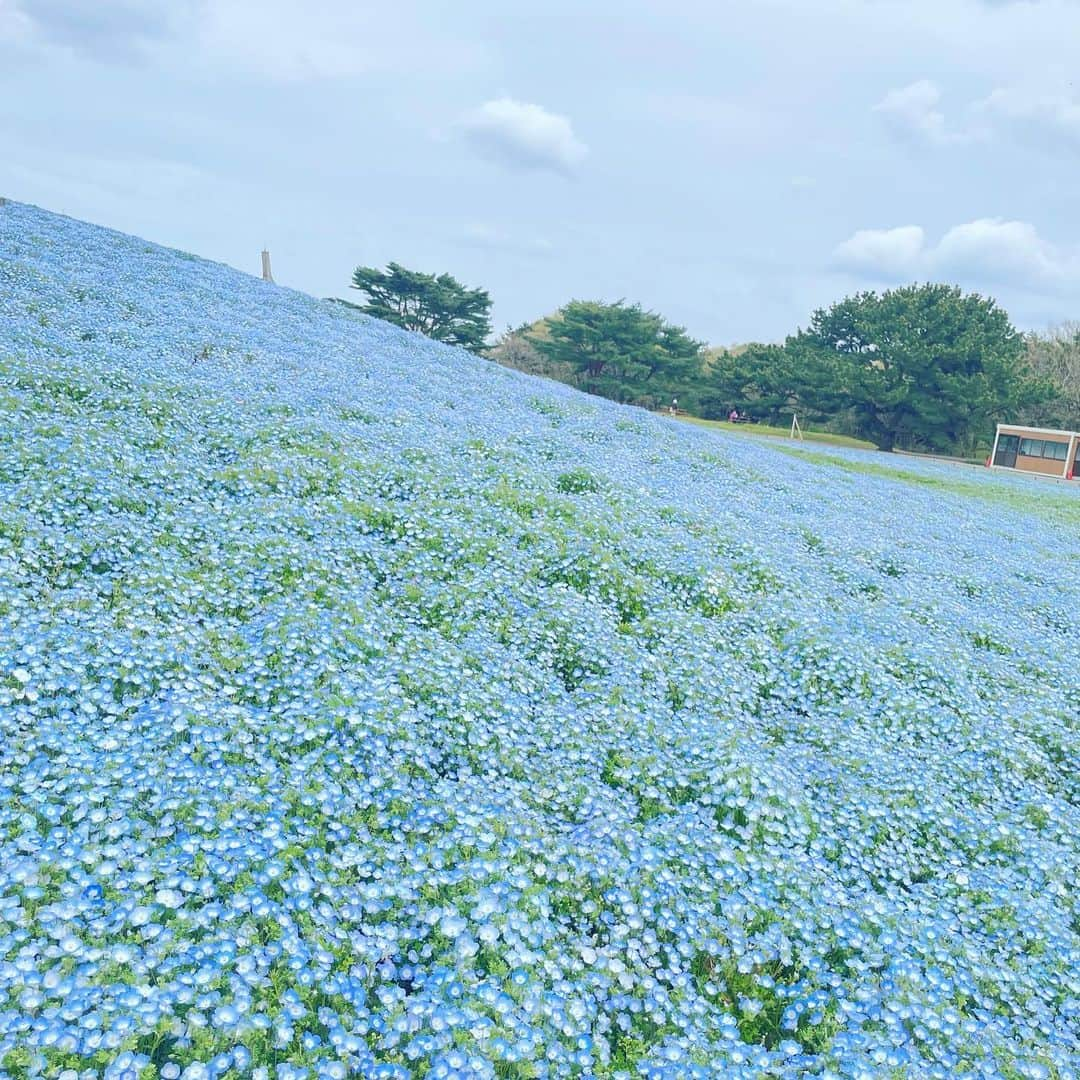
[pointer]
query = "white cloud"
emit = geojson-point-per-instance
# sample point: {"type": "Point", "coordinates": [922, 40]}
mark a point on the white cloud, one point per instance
{"type": "Point", "coordinates": [1054, 117]}
{"type": "Point", "coordinates": [913, 112]}
{"type": "Point", "coordinates": [987, 251]}
{"type": "Point", "coordinates": [886, 253]}
{"type": "Point", "coordinates": [1051, 118]}
{"type": "Point", "coordinates": [523, 136]}
{"type": "Point", "coordinates": [1011, 252]}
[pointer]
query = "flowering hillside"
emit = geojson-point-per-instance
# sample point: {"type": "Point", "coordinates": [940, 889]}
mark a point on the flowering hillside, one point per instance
{"type": "Point", "coordinates": [370, 709]}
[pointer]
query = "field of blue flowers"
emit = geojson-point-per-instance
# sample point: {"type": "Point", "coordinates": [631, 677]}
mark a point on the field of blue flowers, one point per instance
{"type": "Point", "coordinates": [369, 709]}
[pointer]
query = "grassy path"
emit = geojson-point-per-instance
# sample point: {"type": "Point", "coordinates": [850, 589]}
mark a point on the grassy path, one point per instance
{"type": "Point", "coordinates": [780, 433]}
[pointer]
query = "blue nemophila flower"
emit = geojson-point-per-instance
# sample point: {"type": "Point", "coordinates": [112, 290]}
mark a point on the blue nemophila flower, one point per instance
{"type": "Point", "coordinates": [338, 737]}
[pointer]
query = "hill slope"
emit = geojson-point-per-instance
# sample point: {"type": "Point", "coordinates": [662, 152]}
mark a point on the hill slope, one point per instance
{"type": "Point", "coordinates": [368, 707]}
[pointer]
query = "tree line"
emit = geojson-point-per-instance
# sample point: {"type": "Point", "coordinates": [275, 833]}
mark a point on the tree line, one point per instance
{"type": "Point", "coordinates": [921, 367]}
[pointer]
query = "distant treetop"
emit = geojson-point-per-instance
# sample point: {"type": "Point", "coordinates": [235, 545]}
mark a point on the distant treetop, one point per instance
{"type": "Point", "coordinates": [438, 306]}
{"type": "Point", "coordinates": [620, 350]}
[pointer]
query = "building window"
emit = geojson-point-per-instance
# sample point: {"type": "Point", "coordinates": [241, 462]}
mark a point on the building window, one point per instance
{"type": "Point", "coordinates": [1006, 450]}
{"type": "Point", "coordinates": [1031, 447]}
{"type": "Point", "coordinates": [1059, 451]}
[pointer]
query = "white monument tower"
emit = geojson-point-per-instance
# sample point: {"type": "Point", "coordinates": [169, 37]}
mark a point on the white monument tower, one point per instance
{"type": "Point", "coordinates": [267, 276]}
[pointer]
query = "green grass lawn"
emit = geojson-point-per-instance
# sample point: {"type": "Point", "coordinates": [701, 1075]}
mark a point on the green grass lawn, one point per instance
{"type": "Point", "coordinates": [779, 432]}
{"type": "Point", "coordinates": [1050, 498]}
{"type": "Point", "coordinates": [1042, 496]}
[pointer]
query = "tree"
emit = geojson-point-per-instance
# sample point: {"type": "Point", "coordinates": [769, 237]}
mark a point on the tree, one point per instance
{"type": "Point", "coordinates": [621, 351]}
{"type": "Point", "coordinates": [438, 306]}
{"type": "Point", "coordinates": [1055, 356]}
{"type": "Point", "coordinates": [921, 366]}
{"type": "Point", "coordinates": [515, 349]}
{"type": "Point", "coordinates": [769, 382]}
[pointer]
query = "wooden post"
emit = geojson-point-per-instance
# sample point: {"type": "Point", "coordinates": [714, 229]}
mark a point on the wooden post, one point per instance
{"type": "Point", "coordinates": [267, 276]}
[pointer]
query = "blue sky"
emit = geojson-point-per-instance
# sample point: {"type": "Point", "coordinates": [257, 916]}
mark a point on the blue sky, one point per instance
{"type": "Point", "coordinates": [732, 166]}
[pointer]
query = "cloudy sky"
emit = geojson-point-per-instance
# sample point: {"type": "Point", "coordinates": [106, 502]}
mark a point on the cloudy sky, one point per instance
{"type": "Point", "coordinates": [731, 165]}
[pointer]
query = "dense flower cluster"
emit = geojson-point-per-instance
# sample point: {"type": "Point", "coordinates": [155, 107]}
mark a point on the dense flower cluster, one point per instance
{"type": "Point", "coordinates": [369, 709]}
